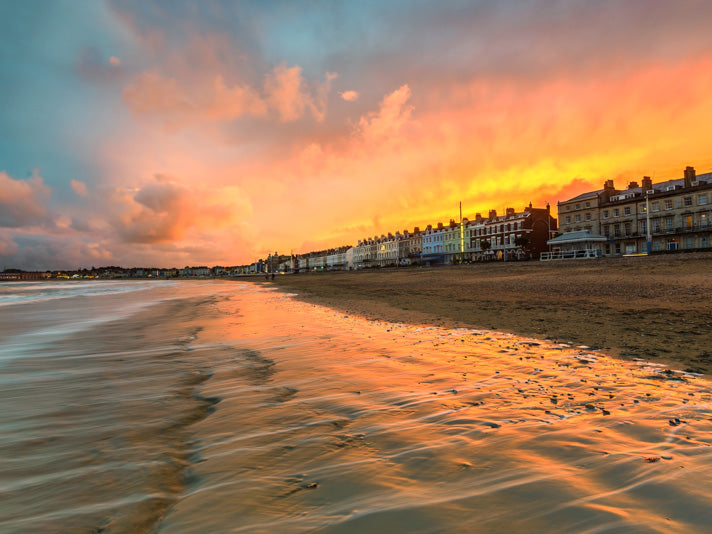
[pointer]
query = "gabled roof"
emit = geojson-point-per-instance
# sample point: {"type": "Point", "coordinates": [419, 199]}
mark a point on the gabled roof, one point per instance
{"type": "Point", "coordinates": [582, 196]}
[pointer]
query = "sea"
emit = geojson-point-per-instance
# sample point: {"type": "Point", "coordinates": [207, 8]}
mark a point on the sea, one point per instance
{"type": "Point", "coordinates": [213, 406]}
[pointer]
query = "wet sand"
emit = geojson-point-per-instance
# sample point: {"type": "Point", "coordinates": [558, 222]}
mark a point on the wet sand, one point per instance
{"type": "Point", "coordinates": [657, 308]}
{"type": "Point", "coordinates": [228, 407]}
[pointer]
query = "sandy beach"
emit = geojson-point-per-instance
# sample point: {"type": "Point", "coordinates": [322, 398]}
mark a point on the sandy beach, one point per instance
{"type": "Point", "coordinates": [196, 406]}
{"type": "Point", "coordinates": [657, 308]}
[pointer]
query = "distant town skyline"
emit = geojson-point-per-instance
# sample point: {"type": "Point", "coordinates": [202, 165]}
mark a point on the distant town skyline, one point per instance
{"type": "Point", "coordinates": [213, 133]}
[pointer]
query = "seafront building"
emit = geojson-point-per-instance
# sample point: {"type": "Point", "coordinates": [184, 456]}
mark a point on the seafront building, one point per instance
{"type": "Point", "coordinates": [665, 216]}
{"type": "Point", "coordinates": [513, 235]}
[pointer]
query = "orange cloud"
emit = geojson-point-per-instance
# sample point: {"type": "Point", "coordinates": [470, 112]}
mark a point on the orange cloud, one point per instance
{"type": "Point", "coordinates": [349, 96]}
{"type": "Point", "coordinates": [394, 111]}
{"type": "Point", "coordinates": [166, 211]}
{"type": "Point", "coordinates": [285, 91]}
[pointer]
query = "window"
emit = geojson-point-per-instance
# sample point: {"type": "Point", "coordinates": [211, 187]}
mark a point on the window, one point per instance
{"type": "Point", "coordinates": [687, 202]}
{"type": "Point", "coordinates": [606, 231]}
{"type": "Point", "coordinates": [668, 223]}
{"type": "Point", "coordinates": [568, 219]}
{"type": "Point", "coordinates": [616, 212]}
{"type": "Point", "coordinates": [617, 230]}
{"type": "Point", "coordinates": [618, 248]}
{"type": "Point", "coordinates": [626, 210]}
{"type": "Point", "coordinates": [702, 200]}
{"type": "Point", "coordinates": [689, 242]}
{"type": "Point", "coordinates": [642, 209]}
{"type": "Point", "coordinates": [643, 227]}
{"type": "Point", "coordinates": [668, 204]}
{"type": "Point", "coordinates": [627, 229]}
{"type": "Point", "coordinates": [578, 217]}
{"type": "Point", "coordinates": [656, 225]}
{"type": "Point", "coordinates": [688, 222]}
{"type": "Point", "coordinates": [703, 220]}
{"type": "Point", "coordinates": [588, 204]}
{"type": "Point", "coordinates": [656, 206]}
{"type": "Point", "coordinates": [605, 214]}
{"type": "Point", "coordinates": [578, 206]}
{"type": "Point", "coordinates": [588, 216]}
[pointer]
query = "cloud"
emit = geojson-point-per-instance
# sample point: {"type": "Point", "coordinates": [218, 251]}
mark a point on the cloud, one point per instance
{"type": "Point", "coordinates": [349, 96]}
{"type": "Point", "coordinates": [163, 210]}
{"type": "Point", "coordinates": [94, 66]}
{"type": "Point", "coordinates": [285, 91]}
{"type": "Point", "coordinates": [80, 188]}
{"type": "Point", "coordinates": [392, 114]}
{"type": "Point", "coordinates": [23, 202]}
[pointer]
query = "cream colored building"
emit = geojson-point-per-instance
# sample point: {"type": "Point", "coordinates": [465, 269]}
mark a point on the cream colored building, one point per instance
{"type": "Point", "coordinates": [678, 212]}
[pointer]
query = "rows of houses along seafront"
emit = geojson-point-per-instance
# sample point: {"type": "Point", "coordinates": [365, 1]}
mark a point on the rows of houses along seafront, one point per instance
{"type": "Point", "coordinates": [509, 236]}
{"type": "Point", "coordinates": [646, 217]}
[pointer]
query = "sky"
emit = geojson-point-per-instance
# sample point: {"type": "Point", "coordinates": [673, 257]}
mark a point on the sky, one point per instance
{"type": "Point", "coordinates": [175, 133]}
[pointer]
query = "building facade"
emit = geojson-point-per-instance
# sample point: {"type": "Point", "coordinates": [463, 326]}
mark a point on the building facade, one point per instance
{"type": "Point", "coordinates": [672, 215]}
{"type": "Point", "coordinates": [512, 236]}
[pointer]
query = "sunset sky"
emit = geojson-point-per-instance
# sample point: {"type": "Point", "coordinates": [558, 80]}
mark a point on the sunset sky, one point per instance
{"type": "Point", "coordinates": [178, 133]}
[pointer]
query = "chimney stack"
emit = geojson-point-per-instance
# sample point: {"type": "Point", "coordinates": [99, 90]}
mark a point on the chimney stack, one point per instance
{"type": "Point", "coordinates": [632, 185]}
{"type": "Point", "coordinates": [416, 230]}
{"type": "Point", "coordinates": [647, 184]}
{"type": "Point", "coordinates": [690, 176]}
{"type": "Point", "coordinates": [510, 211]}
{"type": "Point", "coordinates": [440, 226]}
{"type": "Point", "coordinates": [492, 214]}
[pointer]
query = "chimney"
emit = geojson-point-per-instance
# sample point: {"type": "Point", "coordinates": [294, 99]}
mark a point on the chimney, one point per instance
{"type": "Point", "coordinates": [429, 227]}
{"type": "Point", "coordinates": [440, 226]}
{"type": "Point", "coordinates": [510, 211]}
{"type": "Point", "coordinates": [478, 217]}
{"type": "Point", "coordinates": [690, 176]}
{"type": "Point", "coordinates": [452, 223]}
{"type": "Point", "coordinates": [608, 190]}
{"type": "Point", "coordinates": [492, 214]}
{"type": "Point", "coordinates": [416, 230]}
{"type": "Point", "coordinates": [647, 184]}
{"type": "Point", "coordinates": [632, 185]}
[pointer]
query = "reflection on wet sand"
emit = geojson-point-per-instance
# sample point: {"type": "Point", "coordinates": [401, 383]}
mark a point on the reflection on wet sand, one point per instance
{"type": "Point", "coordinates": [334, 423]}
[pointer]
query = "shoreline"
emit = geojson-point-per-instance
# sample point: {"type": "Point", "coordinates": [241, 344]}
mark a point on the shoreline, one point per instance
{"type": "Point", "coordinates": [654, 308]}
